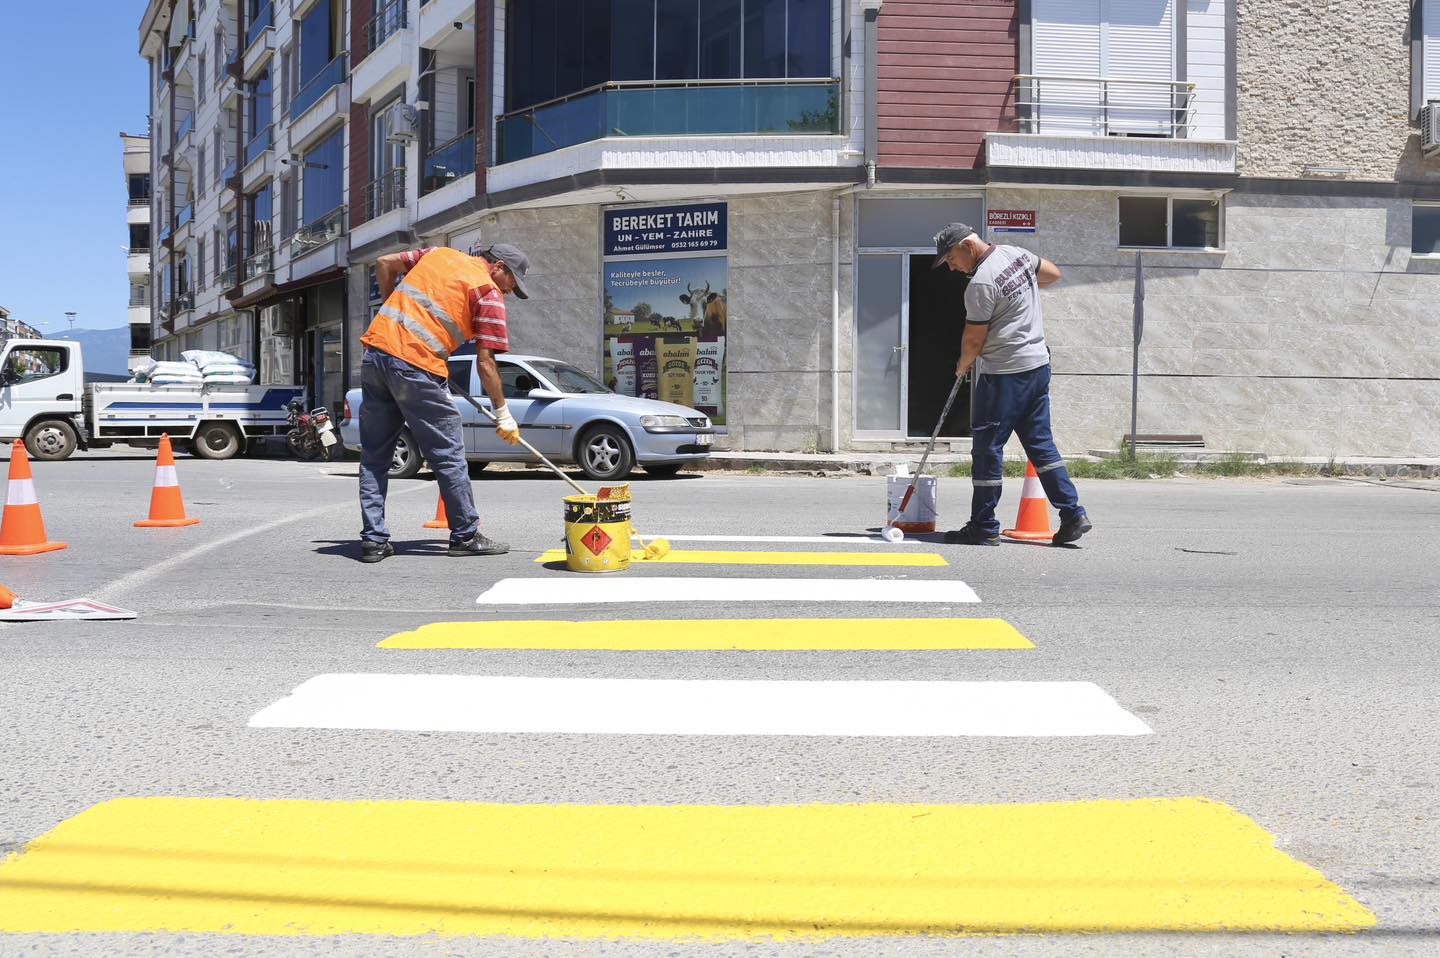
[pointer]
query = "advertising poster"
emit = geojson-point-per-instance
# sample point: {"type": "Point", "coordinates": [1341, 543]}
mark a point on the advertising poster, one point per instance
{"type": "Point", "coordinates": [664, 313]}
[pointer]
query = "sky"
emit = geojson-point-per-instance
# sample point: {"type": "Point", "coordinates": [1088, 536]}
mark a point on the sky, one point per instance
{"type": "Point", "coordinates": [72, 83]}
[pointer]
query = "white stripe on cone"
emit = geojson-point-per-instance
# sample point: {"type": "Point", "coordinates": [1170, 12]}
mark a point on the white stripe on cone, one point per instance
{"type": "Point", "coordinates": [166, 476]}
{"type": "Point", "coordinates": [21, 493]}
{"type": "Point", "coordinates": [1033, 489]}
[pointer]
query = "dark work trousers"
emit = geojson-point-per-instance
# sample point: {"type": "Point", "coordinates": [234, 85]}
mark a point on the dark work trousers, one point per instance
{"type": "Point", "coordinates": [1018, 403]}
{"type": "Point", "coordinates": [395, 394]}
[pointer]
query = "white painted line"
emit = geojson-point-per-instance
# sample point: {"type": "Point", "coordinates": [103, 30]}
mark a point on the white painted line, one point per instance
{"type": "Point", "coordinates": [498, 704]}
{"type": "Point", "coordinates": [582, 590]}
{"type": "Point", "coordinates": [838, 540]}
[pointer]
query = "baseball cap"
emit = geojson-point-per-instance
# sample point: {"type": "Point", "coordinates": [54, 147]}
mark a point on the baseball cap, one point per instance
{"type": "Point", "coordinates": [513, 258]}
{"type": "Point", "coordinates": [948, 237]}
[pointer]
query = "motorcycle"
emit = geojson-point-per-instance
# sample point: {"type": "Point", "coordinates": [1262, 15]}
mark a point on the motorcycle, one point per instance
{"type": "Point", "coordinates": [312, 435]}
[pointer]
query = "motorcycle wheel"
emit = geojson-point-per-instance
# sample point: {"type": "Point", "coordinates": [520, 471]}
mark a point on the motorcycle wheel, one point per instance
{"type": "Point", "coordinates": [302, 447]}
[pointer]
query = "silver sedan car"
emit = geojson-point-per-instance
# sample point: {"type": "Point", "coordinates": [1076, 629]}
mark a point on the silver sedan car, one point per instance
{"type": "Point", "coordinates": [566, 414]}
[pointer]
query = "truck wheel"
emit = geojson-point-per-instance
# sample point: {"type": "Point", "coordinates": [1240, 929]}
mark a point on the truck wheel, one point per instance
{"type": "Point", "coordinates": [50, 440]}
{"type": "Point", "coordinates": [216, 440]}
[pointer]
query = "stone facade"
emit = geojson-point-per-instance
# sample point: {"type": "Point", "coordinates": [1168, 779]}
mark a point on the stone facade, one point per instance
{"type": "Point", "coordinates": [1329, 85]}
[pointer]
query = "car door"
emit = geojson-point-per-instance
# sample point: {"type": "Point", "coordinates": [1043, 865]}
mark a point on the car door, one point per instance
{"type": "Point", "coordinates": [462, 377]}
{"type": "Point", "coordinates": [540, 420]}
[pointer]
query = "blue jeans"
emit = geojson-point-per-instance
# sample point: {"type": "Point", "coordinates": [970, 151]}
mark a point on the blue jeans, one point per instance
{"type": "Point", "coordinates": [1018, 403]}
{"type": "Point", "coordinates": [395, 394]}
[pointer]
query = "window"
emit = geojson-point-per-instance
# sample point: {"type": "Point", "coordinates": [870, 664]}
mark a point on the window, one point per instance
{"type": "Point", "coordinates": [200, 79]}
{"type": "Point", "coordinates": [259, 104]}
{"type": "Point", "coordinates": [217, 245]}
{"type": "Point", "coordinates": [323, 187]}
{"type": "Point", "coordinates": [1430, 50]}
{"type": "Point", "coordinates": [30, 364]}
{"type": "Point", "coordinates": [1425, 230]}
{"type": "Point", "coordinates": [257, 220]}
{"type": "Point", "coordinates": [139, 186]}
{"type": "Point", "coordinates": [200, 171]}
{"type": "Point", "coordinates": [220, 54]}
{"type": "Point", "coordinates": [139, 237]}
{"type": "Point", "coordinates": [1169, 222]}
{"type": "Point", "coordinates": [200, 264]}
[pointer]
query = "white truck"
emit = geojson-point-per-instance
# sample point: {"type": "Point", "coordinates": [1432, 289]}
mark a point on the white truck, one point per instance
{"type": "Point", "coordinates": [45, 400]}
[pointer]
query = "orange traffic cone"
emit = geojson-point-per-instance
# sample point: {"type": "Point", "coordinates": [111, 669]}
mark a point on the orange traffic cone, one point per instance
{"type": "Point", "coordinates": [7, 598]}
{"type": "Point", "coordinates": [22, 530]}
{"type": "Point", "coordinates": [439, 522]}
{"type": "Point", "coordinates": [1033, 523]}
{"type": "Point", "coordinates": [167, 508]}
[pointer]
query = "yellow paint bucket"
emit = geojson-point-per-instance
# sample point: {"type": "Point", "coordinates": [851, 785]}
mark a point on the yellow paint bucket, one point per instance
{"type": "Point", "coordinates": [597, 534]}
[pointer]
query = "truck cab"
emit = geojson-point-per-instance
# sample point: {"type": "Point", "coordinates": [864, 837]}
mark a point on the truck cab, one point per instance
{"type": "Point", "coordinates": [42, 385]}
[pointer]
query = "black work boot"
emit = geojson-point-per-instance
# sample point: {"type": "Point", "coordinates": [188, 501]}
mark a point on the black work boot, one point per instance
{"type": "Point", "coordinates": [371, 551]}
{"type": "Point", "coordinates": [971, 535]}
{"type": "Point", "coordinates": [479, 546]}
{"type": "Point", "coordinates": [1072, 529]}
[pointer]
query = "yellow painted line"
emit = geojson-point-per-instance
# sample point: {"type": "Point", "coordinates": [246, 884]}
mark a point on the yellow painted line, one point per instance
{"type": "Point", "coordinates": [691, 557]}
{"type": "Point", "coordinates": [715, 634]}
{"type": "Point", "coordinates": [664, 871]}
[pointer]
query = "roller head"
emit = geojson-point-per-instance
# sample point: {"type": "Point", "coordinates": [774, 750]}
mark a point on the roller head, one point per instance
{"type": "Point", "coordinates": [656, 549]}
{"type": "Point", "coordinates": [893, 534]}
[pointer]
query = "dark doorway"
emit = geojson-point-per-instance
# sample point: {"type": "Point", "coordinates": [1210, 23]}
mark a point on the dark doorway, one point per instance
{"type": "Point", "coordinates": [937, 323]}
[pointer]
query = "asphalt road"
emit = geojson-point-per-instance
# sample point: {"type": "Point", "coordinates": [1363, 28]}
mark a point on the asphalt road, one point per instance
{"type": "Point", "coordinates": [1277, 637]}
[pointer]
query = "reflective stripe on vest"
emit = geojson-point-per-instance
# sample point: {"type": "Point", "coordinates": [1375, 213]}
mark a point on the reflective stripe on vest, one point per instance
{"type": "Point", "coordinates": [416, 329]}
{"type": "Point", "coordinates": [421, 299]}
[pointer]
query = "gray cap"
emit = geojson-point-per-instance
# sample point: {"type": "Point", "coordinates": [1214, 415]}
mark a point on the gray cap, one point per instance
{"type": "Point", "coordinates": [950, 236]}
{"type": "Point", "coordinates": [515, 260]}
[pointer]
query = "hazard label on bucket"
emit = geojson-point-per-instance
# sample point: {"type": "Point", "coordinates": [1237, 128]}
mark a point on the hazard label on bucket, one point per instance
{"type": "Point", "coordinates": [596, 540]}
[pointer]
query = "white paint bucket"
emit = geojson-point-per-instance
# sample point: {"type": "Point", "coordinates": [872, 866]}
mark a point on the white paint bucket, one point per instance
{"type": "Point", "coordinates": [922, 512]}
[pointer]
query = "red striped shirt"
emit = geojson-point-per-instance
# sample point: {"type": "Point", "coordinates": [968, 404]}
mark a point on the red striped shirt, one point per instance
{"type": "Point", "coordinates": [487, 308]}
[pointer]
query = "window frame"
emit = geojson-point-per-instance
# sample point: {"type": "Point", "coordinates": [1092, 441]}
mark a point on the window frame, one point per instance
{"type": "Point", "coordinates": [1170, 197]}
{"type": "Point", "coordinates": [1419, 205]}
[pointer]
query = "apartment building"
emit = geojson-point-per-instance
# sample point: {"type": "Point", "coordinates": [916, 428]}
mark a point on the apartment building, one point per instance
{"type": "Point", "coordinates": [14, 328]}
{"type": "Point", "coordinates": [136, 158]}
{"type": "Point", "coordinates": [731, 203]}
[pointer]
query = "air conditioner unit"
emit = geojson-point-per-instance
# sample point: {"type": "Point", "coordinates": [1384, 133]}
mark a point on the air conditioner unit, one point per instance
{"type": "Point", "coordinates": [404, 123]}
{"type": "Point", "coordinates": [1430, 127]}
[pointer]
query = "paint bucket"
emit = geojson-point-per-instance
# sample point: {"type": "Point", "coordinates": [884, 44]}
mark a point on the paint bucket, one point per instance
{"type": "Point", "coordinates": [922, 512]}
{"type": "Point", "coordinates": [597, 533]}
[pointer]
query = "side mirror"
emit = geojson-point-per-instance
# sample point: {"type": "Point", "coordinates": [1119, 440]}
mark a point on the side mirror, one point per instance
{"type": "Point", "coordinates": [544, 394]}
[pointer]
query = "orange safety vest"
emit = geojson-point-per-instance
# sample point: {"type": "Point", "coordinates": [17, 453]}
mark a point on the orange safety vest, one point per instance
{"type": "Point", "coordinates": [427, 317]}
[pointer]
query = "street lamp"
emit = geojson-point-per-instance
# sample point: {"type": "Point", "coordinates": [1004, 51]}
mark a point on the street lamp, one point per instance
{"type": "Point", "coordinates": [70, 316]}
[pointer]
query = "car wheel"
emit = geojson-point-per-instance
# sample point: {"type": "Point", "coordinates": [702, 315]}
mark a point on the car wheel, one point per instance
{"type": "Point", "coordinates": [50, 440]}
{"type": "Point", "coordinates": [662, 469]}
{"type": "Point", "coordinates": [476, 467]}
{"type": "Point", "coordinates": [216, 440]}
{"type": "Point", "coordinates": [406, 461]}
{"type": "Point", "coordinates": [605, 454]}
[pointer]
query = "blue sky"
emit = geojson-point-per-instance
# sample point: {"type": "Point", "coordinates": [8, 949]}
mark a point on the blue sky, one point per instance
{"type": "Point", "coordinates": [72, 82]}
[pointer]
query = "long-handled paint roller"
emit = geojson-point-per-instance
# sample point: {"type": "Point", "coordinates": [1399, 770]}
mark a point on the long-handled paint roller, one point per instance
{"type": "Point", "coordinates": [654, 549]}
{"type": "Point", "coordinates": [891, 533]}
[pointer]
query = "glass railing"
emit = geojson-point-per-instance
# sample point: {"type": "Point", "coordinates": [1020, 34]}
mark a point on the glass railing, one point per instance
{"type": "Point", "coordinates": [140, 298]}
{"type": "Point", "coordinates": [184, 127]}
{"type": "Point", "coordinates": [329, 227]}
{"type": "Point", "coordinates": [388, 21]}
{"type": "Point", "coordinates": [258, 144]}
{"type": "Point", "coordinates": [385, 193]}
{"type": "Point", "coordinates": [317, 86]}
{"type": "Point", "coordinates": [165, 231]}
{"type": "Point", "coordinates": [448, 162]}
{"type": "Point", "coordinates": [186, 213]}
{"type": "Point", "coordinates": [183, 301]}
{"type": "Point", "coordinates": [227, 174]}
{"type": "Point", "coordinates": [261, 21]}
{"type": "Point", "coordinates": [256, 264]}
{"type": "Point", "coordinates": [228, 277]}
{"type": "Point", "coordinates": [683, 108]}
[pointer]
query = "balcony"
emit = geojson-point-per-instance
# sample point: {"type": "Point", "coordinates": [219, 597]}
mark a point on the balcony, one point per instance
{"type": "Point", "coordinates": [186, 214]}
{"type": "Point", "coordinates": [448, 162]}
{"type": "Point", "coordinates": [262, 21]}
{"type": "Point", "coordinates": [139, 201]}
{"type": "Point", "coordinates": [229, 276]}
{"type": "Point", "coordinates": [140, 297]}
{"type": "Point", "coordinates": [330, 75]}
{"type": "Point", "coordinates": [326, 229]}
{"type": "Point", "coordinates": [385, 193]}
{"type": "Point", "coordinates": [256, 264]}
{"type": "Point", "coordinates": [679, 108]}
{"type": "Point", "coordinates": [1085, 122]}
{"type": "Point", "coordinates": [389, 20]}
{"type": "Point", "coordinates": [182, 130]}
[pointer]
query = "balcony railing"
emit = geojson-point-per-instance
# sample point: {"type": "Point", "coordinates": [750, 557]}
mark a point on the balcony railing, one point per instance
{"type": "Point", "coordinates": [261, 21]}
{"type": "Point", "coordinates": [140, 297]}
{"type": "Point", "coordinates": [229, 276]}
{"type": "Point", "coordinates": [385, 193]}
{"type": "Point", "coordinates": [184, 301]}
{"type": "Point", "coordinates": [187, 212]}
{"type": "Point", "coordinates": [227, 174]}
{"type": "Point", "coordinates": [140, 200]}
{"type": "Point", "coordinates": [137, 251]}
{"type": "Point", "coordinates": [679, 108]}
{"type": "Point", "coordinates": [256, 264]}
{"type": "Point", "coordinates": [184, 126]}
{"type": "Point", "coordinates": [1103, 106]}
{"type": "Point", "coordinates": [317, 86]}
{"type": "Point", "coordinates": [388, 21]}
{"type": "Point", "coordinates": [258, 144]}
{"type": "Point", "coordinates": [448, 162]}
{"type": "Point", "coordinates": [329, 227]}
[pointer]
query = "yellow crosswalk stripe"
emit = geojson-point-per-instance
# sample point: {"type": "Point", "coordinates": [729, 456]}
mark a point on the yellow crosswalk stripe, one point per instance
{"type": "Point", "coordinates": [696, 557]}
{"type": "Point", "coordinates": [713, 634]}
{"type": "Point", "coordinates": [664, 871]}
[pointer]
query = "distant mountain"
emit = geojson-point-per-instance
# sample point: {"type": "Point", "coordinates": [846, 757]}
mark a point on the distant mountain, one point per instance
{"type": "Point", "coordinates": [106, 350]}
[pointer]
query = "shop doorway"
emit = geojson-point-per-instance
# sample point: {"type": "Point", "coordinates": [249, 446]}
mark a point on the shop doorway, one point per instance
{"type": "Point", "coordinates": [325, 348]}
{"type": "Point", "coordinates": [936, 321]}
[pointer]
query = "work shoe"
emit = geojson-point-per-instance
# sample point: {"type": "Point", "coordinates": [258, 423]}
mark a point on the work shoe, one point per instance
{"type": "Point", "coordinates": [375, 551]}
{"type": "Point", "coordinates": [479, 546]}
{"type": "Point", "coordinates": [971, 535]}
{"type": "Point", "coordinates": [1072, 529]}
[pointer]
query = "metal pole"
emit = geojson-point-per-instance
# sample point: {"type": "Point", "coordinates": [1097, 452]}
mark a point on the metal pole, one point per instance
{"type": "Point", "coordinates": [1139, 329]}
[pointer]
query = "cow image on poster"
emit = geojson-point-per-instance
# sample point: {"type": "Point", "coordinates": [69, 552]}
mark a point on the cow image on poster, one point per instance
{"type": "Point", "coordinates": [714, 325]}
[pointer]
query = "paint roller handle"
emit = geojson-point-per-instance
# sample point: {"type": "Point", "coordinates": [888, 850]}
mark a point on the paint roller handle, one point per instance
{"type": "Point", "coordinates": [533, 451]}
{"type": "Point", "coordinates": [930, 447]}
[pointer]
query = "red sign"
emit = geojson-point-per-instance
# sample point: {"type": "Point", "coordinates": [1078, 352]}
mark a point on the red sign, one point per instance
{"type": "Point", "coordinates": [1011, 221]}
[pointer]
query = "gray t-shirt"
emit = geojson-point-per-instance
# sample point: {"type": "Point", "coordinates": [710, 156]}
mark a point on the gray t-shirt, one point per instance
{"type": "Point", "coordinates": [1004, 294]}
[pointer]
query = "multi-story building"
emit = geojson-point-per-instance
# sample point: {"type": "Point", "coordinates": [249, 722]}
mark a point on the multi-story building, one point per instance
{"type": "Point", "coordinates": [14, 328]}
{"type": "Point", "coordinates": [732, 202]}
{"type": "Point", "coordinates": [136, 158]}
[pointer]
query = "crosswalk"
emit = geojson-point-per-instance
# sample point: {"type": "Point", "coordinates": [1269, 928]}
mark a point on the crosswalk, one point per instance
{"type": "Point", "coordinates": [676, 871]}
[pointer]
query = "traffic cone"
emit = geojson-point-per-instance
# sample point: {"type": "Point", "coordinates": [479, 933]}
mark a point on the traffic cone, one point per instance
{"type": "Point", "coordinates": [1033, 523]}
{"type": "Point", "coordinates": [22, 530]}
{"type": "Point", "coordinates": [167, 508]}
{"type": "Point", "coordinates": [439, 522]}
{"type": "Point", "coordinates": [7, 598]}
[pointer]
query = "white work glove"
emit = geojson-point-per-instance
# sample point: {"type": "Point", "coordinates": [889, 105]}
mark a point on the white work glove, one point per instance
{"type": "Point", "coordinates": [506, 427]}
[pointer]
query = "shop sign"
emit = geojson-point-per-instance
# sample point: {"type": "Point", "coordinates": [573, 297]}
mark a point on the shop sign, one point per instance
{"type": "Point", "coordinates": [1011, 221]}
{"type": "Point", "coordinates": [698, 228]}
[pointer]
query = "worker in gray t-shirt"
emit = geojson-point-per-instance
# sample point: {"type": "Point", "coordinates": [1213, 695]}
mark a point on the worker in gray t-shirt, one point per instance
{"type": "Point", "coordinates": [1005, 341]}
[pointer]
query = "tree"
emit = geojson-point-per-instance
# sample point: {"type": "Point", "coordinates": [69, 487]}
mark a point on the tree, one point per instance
{"type": "Point", "coordinates": [642, 312]}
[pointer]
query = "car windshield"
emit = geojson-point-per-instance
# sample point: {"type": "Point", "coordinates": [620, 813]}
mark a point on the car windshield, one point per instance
{"type": "Point", "coordinates": [567, 378]}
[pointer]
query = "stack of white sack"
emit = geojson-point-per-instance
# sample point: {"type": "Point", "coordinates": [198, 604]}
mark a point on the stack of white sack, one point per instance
{"type": "Point", "coordinates": [168, 373]}
{"type": "Point", "coordinates": [220, 368]}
